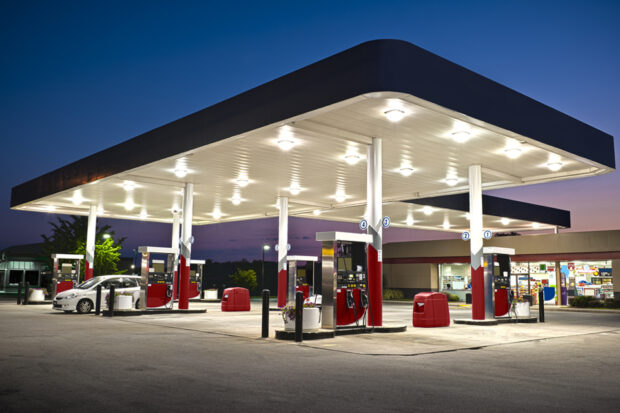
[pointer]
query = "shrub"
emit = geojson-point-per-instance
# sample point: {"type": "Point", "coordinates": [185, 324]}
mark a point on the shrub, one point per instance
{"type": "Point", "coordinates": [612, 303]}
{"type": "Point", "coordinates": [452, 297]}
{"type": "Point", "coordinates": [582, 301]}
{"type": "Point", "coordinates": [244, 278]}
{"type": "Point", "coordinates": [393, 294]}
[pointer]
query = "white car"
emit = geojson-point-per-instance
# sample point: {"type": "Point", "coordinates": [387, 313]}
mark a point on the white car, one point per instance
{"type": "Point", "coordinates": [82, 298]}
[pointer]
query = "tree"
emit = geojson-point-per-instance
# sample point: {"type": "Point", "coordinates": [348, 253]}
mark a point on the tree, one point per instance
{"type": "Point", "coordinates": [107, 255]}
{"type": "Point", "coordinates": [244, 278]}
{"type": "Point", "coordinates": [69, 237]}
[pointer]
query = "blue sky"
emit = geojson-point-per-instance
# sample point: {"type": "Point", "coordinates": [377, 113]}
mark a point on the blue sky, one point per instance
{"type": "Point", "coordinates": [78, 77]}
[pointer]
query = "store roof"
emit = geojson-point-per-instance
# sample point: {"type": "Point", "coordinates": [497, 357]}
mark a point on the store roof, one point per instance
{"type": "Point", "coordinates": [328, 111]}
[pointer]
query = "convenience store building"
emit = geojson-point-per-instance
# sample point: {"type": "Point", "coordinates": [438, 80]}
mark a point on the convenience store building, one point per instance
{"type": "Point", "coordinates": [584, 261]}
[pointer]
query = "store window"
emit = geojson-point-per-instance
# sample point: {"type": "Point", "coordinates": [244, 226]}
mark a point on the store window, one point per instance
{"type": "Point", "coordinates": [589, 278]}
{"type": "Point", "coordinates": [455, 279]}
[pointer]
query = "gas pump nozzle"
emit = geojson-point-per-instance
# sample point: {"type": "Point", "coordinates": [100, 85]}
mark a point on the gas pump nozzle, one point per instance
{"type": "Point", "coordinates": [350, 299]}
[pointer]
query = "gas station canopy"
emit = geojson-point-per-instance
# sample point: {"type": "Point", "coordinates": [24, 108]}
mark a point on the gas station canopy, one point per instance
{"type": "Point", "coordinates": [304, 136]}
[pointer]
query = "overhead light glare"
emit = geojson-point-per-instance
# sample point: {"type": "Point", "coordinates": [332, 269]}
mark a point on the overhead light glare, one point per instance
{"type": "Point", "coordinates": [294, 189]}
{"type": "Point", "coordinates": [180, 172]}
{"type": "Point", "coordinates": [513, 153]}
{"type": "Point", "coordinates": [554, 166]}
{"type": "Point", "coordinates": [505, 221]}
{"type": "Point", "coordinates": [77, 198]}
{"type": "Point", "coordinates": [467, 216]}
{"type": "Point", "coordinates": [242, 182]}
{"type": "Point", "coordinates": [409, 221]}
{"type": "Point", "coordinates": [461, 136]}
{"type": "Point", "coordinates": [394, 115]}
{"type": "Point", "coordinates": [129, 205]}
{"type": "Point", "coordinates": [216, 214]}
{"type": "Point", "coordinates": [316, 212]}
{"type": "Point", "coordinates": [406, 170]}
{"type": "Point", "coordinates": [285, 143]}
{"type": "Point", "coordinates": [427, 210]}
{"type": "Point", "coordinates": [352, 158]}
{"type": "Point", "coordinates": [129, 185]}
{"type": "Point", "coordinates": [445, 225]}
{"type": "Point", "coordinates": [50, 208]}
{"type": "Point", "coordinates": [236, 199]}
{"type": "Point", "coordinates": [452, 181]}
{"type": "Point", "coordinates": [143, 214]}
{"type": "Point", "coordinates": [535, 225]}
{"type": "Point", "coordinates": [340, 196]}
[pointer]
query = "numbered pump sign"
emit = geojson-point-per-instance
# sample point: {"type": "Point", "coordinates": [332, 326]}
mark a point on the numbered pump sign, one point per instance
{"type": "Point", "coordinates": [486, 234]}
{"type": "Point", "coordinates": [363, 224]}
{"type": "Point", "coordinates": [386, 222]}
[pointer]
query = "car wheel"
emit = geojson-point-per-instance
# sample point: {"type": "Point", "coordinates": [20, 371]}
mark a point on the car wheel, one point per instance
{"type": "Point", "coordinates": [138, 304]}
{"type": "Point", "coordinates": [84, 306]}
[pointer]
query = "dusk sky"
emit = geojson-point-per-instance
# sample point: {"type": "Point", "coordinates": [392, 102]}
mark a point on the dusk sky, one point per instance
{"type": "Point", "coordinates": [79, 77]}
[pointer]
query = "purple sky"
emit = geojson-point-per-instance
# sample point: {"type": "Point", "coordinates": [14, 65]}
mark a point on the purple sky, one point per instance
{"type": "Point", "coordinates": [77, 78]}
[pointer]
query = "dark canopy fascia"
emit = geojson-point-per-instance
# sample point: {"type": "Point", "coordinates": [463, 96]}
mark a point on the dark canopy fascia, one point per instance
{"type": "Point", "coordinates": [501, 207]}
{"type": "Point", "coordinates": [374, 66]}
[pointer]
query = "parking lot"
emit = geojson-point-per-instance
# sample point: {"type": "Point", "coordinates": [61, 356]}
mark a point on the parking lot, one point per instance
{"type": "Point", "coordinates": [218, 362]}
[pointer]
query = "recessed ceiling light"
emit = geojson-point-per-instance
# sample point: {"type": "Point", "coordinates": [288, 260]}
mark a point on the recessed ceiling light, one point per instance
{"type": "Point", "coordinates": [129, 205]}
{"type": "Point", "coordinates": [427, 210]}
{"type": "Point", "coordinates": [554, 166]}
{"type": "Point", "coordinates": [100, 210]}
{"type": "Point", "coordinates": [242, 182]}
{"type": "Point", "coordinates": [180, 172]}
{"type": "Point", "coordinates": [467, 216]}
{"type": "Point", "coordinates": [513, 153]}
{"type": "Point", "coordinates": [236, 199]}
{"type": "Point", "coordinates": [394, 115]}
{"type": "Point", "coordinates": [535, 225]}
{"type": "Point", "coordinates": [143, 214]}
{"type": "Point", "coordinates": [216, 214]}
{"type": "Point", "coordinates": [451, 181]}
{"type": "Point", "coordinates": [352, 158]}
{"type": "Point", "coordinates": [129, 185]}
{"type": "Point", "coordinates": [50, 208]}
{"type": "Point", "coordinates": [461, 136]}
{"type": "Point", "coordinates": [409, 220]}
{"type": "Point", "coordinates": [294, 189]}
{"type": "Point", "coordinates": [77, 198]}
{"type": "Point", "coordinates": [285, 143]}
{"type": "Point", "coordinates": [445, 225]}
{"type": "Point", "coordinates": [406, 170]}
{"type": "Point", "coordinates": [340, 196]}
{"type": "Point", "coordinates": [505, 221]}
{"type": "Point", "coordinates": [316, 212]}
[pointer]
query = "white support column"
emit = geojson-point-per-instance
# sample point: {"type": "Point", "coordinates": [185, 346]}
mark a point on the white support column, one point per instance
{"type": "Point", "coordinates": [186, 245]}
{"type": "Point", "coordinates": [176, 223]}
{"type": "Point", "coordinates": [374, 204]}
{"type": "Point", "coordinates": [282, 250]}
{"type": "Point", "coordinates": [91, 231]}
{"type": "Point", "coordinates": [478, 290]}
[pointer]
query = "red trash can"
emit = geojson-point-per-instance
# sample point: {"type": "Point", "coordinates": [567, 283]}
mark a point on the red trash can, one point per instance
{"type": "Point", "coordinates": [430, 310]}
{"type": "Point", "coordinates": [236, 299]}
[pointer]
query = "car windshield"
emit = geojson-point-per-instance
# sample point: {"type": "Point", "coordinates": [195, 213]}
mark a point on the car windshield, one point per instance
{"type": "Point", "coordinates": [89, 283]}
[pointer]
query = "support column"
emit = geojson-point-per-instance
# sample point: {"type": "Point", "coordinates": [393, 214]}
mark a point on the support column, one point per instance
{"type": "Point", "coordinates": [176, 223]}
{"type": "Point", "coordinates": [374, 199]}
{"type": "Point", "coordinates": [90, 243]}
{"type": "Point", "coordinates": [186, 245]}
{"type": "Point", "coordinates": [282, 250]}
{"type": "Point", "coordinates": [475, 243]}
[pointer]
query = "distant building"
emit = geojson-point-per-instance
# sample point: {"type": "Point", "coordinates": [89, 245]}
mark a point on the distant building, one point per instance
{"type": "Point", "coordinates": [24, 263]}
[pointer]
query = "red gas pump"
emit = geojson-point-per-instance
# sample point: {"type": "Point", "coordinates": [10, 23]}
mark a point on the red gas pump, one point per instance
{"type": "Point", "coordinates": [66, 274]}
{"type": "Point", "coordinates": [344, 281]}
{"type": "Point", "coordinates": [195, 278]}
{"type": "Point", "coordinates": [497, 275]}
{"type": "Point", "coordinates": [297, 280]}
{"type": "Point", "coordinates": [156, 278]}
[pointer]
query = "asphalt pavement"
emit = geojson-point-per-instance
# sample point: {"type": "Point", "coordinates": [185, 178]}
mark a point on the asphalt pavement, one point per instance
{"type": "Point", "coordinates": [217, 361]}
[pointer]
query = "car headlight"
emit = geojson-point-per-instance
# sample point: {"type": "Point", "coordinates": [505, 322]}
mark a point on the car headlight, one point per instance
{"type": "Point", "coordinates": [72, 295]}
